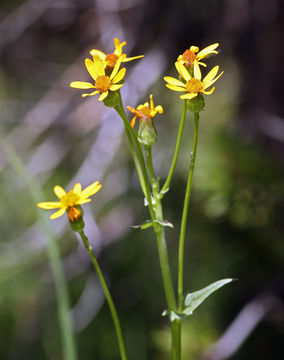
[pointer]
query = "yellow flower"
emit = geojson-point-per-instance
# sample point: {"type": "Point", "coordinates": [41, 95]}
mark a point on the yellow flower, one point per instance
{"type": "Point", "coordinates": [109, 60]}
{"type": "Point", "coordinates": [193, 85]}
{"type": "Point", "coordinates": [103, 83]}
{"type": "Point", "coordinates": [145, 111]}
{"type": "Point", "coordinates": [68, 200]}
{"type": "Point", "coordinates": [193, 55]}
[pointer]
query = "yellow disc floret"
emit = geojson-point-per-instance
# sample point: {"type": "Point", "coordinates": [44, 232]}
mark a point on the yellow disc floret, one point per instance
{"type": "Point", "coordinates": [194, 86]}
{"type": "Point", "coordinates": [103, 83]}
{"type": "Point", "coordinates": [188, 57]}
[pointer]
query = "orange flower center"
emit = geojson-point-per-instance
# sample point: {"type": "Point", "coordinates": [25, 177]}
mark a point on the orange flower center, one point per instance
{"type": "Point", "coordinates": [70, 199]}
{"type": "Point", "coordinates": [103, 83]}
{"type": "Point", "coordinates": [111, 60]}
{"type": "Point", "coordinates": [188, 57]}
{"type": "Point", "coordinates": [194, 86]}
{"type": "Point", "coordinates": [73, 214]}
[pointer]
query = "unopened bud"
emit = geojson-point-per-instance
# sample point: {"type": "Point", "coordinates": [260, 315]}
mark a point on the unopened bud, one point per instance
{"type": "Point", "coordinates": [75, 217]}
{"type": "Point", "coordinates": [147, 133]}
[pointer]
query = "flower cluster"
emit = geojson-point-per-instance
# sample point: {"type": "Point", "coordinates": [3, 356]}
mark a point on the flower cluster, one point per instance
{"type": "Point", "coordinates": [190, 81]}
{"type": "Point", "coordinates": [105, 71]}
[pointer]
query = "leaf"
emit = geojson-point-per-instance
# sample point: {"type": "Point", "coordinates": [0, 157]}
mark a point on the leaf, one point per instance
{"type": "Point", "coordinates": [193, 300]}
{"type": "Point", "coordinates": [150, 223]}
{"type": "Point", "coordinates": [145, 225]}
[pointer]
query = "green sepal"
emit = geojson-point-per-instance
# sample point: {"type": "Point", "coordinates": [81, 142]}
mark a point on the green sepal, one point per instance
{"type": "Point", "coordinates": [79, 224]}
{"type": "Point", "coordinates": [149, 223]}
{"type": "Point", "coordinates": [196, 104]}
{"type": "Point", "coordinates": [147, 133]}
{"type": "Point", "coordinates": [112, 99]}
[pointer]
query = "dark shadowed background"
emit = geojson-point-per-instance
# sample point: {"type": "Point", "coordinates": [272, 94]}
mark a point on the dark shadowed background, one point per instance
{"type": "Point", "coordinates": [236, 213]}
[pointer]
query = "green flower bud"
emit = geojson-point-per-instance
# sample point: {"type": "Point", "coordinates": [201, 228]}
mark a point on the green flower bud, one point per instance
{"type": "Point", "coordinates": [196, 104]}
{"type": "Point", "coordinates": [147, 133]}
{"type": "Point", "coordinates": [75, 217]}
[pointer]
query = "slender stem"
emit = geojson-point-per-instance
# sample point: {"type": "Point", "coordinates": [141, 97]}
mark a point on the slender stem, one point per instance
{"type": "Point", "coordinates": [130, 130]}
{"type": "Point", "coordinates": [62, 296]}
{"type": "Point", "coordinates": [107, 295]}
{"type": "Point", "coordinates": [149, 162]}
{"type": "Point", "coordinates": [174, 161]}
{"type": "Point", "coordinates": [185, 212]}
{"type": "Point", "coordinates": [163, 255]}
{"type": "Point", "coordinates": [136, 162]}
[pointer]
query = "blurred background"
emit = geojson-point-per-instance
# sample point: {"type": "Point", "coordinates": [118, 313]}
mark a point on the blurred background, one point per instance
{"type": "Point", "coordinates": [50, 135]}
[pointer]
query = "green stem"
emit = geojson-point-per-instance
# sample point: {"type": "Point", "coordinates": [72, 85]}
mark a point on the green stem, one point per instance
{"type": "Point", "coordinates": [107, 295]}
{"type": "Point", "coordinates": [119, 109]}
{"type": "Point", "coordinates": [185, 213]}
{"type": "Point", "coordinates": [163, 255]}
{"type": "Point", "coordinates": [62, 296]}
{"type": "Point", "coordinates": [175, 157]}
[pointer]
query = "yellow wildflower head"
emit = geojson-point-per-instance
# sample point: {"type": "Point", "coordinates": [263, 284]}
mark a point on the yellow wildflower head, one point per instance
{"type": "Point", "coordinates": [193, 55]}
{"type": "Point", "coordinates": [145, 111]}
{"type": "Point", "coordinates": [68, 201]}
{"type": "Point", "coordinates": [104, 84]}
{"type": "Point", "coordinates": [109, 60]}
{"type": "Point", "coordinates": [192, 85]}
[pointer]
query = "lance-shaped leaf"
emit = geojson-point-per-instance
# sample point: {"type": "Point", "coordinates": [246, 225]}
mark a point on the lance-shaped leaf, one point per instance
{"type": "Point", "coordinates": [193, 300]}
{"type": "Point", "coordinates": [149, 223]}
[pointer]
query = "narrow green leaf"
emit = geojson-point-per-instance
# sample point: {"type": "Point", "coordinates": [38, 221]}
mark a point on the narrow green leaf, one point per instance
{"type": "Point", "coordinates": [150, 223]}
{"type": "Point", "coordinates": [193, 300]}
{"type": "Point", "coordinates": [145, 225]}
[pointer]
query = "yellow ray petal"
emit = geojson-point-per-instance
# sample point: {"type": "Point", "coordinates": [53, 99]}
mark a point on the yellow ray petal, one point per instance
{"type": "Point", "coordinates": [188, 96]}
{"type": "Point", "coordinates": [208, 84]}
{"type": "Point", "coordinates": [173, 81]}
{"type": "Point", "coordinates": [98, 53]}
{"type": "Point", "coordinates": [81, 85]}
{"type": "Point", "coordinates": [175, 88]}
{"type": "Point", "coordinates": [212, 73]}
{"type": "Point", "coordinates": [116, 68]}
{"type": "Point", "coordinates": [99, 66]}
{"type": "Point", "coordinates": [208, 50]}
{"type": "Point", "coordinates": [91, 189]}
{"type": "Point", "coordinates": [196, 71]}
{"type": "Point", "coordinates": [58, 213]}
{"type": "Point", "coordinates": [133, 121]}
{"type": "Point", "coordinates": [49, 205]}
{"type": "Point", "coordinates": [59, 191]}
{"type": "Point", "coordinates": [182, 71]}
{"type": "Point", "coordinates": [115, 87]}
{"type": "Point", "coordinates": [77, 188]}
{"type": "Point", "coordinates": [119, 76]}
{"type": "Point", "coordinates": [91, 94]}
{"type": "Point", "coordinates": [209, 91]}
{"type": "Point", "coordinates": [132, 58]}
{"type": "Point", "coordinates": [83, 201]}
{"type": "Point", "coordinates": [159, 109]}
{"type": "Point", "coordinates": [103, 96]}
{"type": "Point", "coordinates": [118, 46]}
{"type": "Point", "coordinates": [91, 68]}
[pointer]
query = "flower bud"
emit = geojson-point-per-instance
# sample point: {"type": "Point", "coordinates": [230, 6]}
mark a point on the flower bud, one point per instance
{"type": "Point", "coordinates": [196, 104]}
{"type": "Point", "coordinates": [75, 217]}
{"type": "Point", "coordinates": [147, 133]}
